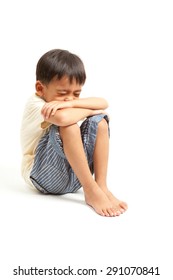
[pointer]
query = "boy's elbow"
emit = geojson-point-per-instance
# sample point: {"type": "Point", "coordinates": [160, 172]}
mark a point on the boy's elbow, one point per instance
{"type": "Point", "coordinates": [59, 119]}
{"type": "Point", "coordinates": [105, 104]}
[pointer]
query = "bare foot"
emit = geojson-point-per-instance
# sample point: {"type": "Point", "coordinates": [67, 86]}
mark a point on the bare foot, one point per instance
{"type": "Point", "coordinates": [118, 205]}
{"type": "Point", "coordinates": [99, 201]}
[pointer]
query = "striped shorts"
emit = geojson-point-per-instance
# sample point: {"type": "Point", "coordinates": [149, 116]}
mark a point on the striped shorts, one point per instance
{"type": "Point", "coordinates": [51, 172]}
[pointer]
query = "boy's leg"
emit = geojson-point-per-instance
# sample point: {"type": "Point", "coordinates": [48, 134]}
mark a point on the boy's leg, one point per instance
{"type": "Point", "coordinates": [101, 153]}
{"type": "Point", "coordinates": [74, 151]}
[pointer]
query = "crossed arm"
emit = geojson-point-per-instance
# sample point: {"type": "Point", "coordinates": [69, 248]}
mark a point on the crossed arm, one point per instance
{"type": "Point", "coordinates": [64, 113]}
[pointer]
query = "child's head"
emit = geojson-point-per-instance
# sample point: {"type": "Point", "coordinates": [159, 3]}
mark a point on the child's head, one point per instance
{"type": "Point", "coordinates": [60, 75]}
{"type": "Point", "coordinates": [58, 63]}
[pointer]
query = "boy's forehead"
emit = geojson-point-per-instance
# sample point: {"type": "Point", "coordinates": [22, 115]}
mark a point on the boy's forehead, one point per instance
{"type": "Point", "coordinates": [64, 84]}
{"type": "Point", "coordinates": [64, 81]}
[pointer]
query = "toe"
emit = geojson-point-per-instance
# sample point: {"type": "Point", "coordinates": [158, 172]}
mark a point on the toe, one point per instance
{"type": "Point", "coordinates": [106, 212]}
{"type": "Point", "coordinates": [123, 205]}
{"type": "Point", "coordinates": [118, 212]}
{"type": "Point", "coordinates": [112, 212]}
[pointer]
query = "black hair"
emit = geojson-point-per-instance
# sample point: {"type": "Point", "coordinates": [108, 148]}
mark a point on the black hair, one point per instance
{"type": "Point", "coordinates": [58, 63]}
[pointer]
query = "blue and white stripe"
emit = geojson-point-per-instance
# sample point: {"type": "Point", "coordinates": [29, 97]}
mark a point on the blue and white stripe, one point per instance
{"type": "Point", "coordinates": [51, 172]}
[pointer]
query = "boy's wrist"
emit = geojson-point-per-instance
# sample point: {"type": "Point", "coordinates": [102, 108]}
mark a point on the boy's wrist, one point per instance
{"type": "Point", "coordinates": [75, 103]}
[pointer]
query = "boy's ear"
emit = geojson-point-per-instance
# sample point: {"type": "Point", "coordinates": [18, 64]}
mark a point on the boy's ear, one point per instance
{"type": "Point", "coordinates": [39, 88]}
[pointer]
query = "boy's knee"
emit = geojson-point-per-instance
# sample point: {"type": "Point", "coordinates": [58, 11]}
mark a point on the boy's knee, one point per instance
{"type": "Point", "coordinates": [103, 124]}
{"type": "Point", "coordinates": [100, 122]}
{"type": "Point", "coordinates": [99, 118]}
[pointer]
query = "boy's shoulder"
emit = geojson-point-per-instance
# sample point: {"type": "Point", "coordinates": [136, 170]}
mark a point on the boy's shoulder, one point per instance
{"type": "Point", "coordinates": [33, 107]}
{"type": "Point", "coordinates": [35, 100]}
{"type": "Point", "coordinates": [34, 104]}
{"type": "Point", "coordinates": [32, 112]}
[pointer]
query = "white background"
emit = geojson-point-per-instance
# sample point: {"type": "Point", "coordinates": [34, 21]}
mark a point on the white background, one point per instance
{"type": "Point", "coordinates": [127, 49]}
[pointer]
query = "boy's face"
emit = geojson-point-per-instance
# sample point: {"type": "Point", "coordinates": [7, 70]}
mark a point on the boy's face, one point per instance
{"type": "Point", "coordinates": [59, 90]}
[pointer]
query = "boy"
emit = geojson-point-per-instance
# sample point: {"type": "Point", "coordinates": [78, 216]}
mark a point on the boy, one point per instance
{"type": "Point", "coordinates": [59, 156]}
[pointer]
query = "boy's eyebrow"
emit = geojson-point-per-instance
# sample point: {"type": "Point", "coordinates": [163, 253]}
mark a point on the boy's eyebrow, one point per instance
{"type": "Point", "coordinates": [65, 90]}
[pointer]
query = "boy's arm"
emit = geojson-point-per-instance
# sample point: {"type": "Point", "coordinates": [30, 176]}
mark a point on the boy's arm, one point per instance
{"type": "Point", "coordinates": [93, 103]}
{"type": "Point", "coordinates": [69, 116]}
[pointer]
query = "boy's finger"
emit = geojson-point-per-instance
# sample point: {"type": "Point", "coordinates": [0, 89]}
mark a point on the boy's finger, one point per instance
{"type": "Point", "coordinates": [54, 110]}
{"type": "Point", "coordinates": [48, 112]}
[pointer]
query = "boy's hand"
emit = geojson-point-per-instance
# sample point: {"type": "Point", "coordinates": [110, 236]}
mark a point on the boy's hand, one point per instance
{"type": "Point", "coordinates": [50, 108]}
